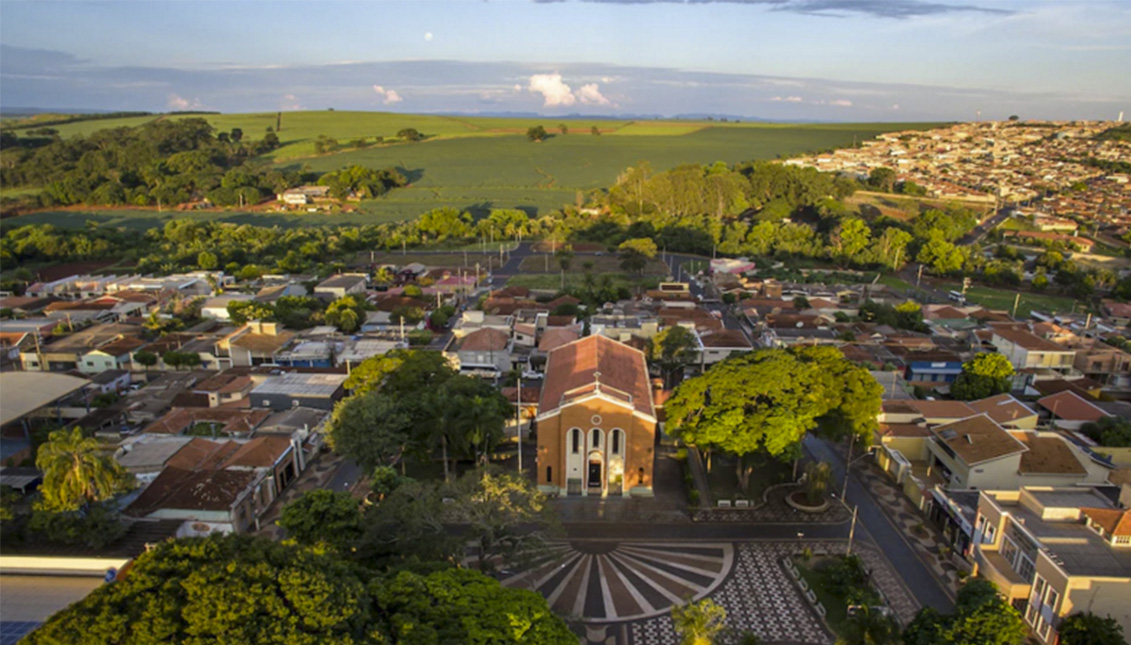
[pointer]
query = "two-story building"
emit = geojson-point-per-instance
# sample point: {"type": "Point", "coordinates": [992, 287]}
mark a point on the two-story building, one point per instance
{"type": "Point", "coordinates": [485, 352]}
{"type": "Point", "coordinates": [1026, 350]}
{"type": "Point", "coordinates": [1054, 552]}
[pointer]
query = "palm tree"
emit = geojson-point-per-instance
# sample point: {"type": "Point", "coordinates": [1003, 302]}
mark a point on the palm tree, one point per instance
{"type": "Point", "coordinates": [75, 473]}
{"type": "Point", "coordinates": [817, 477]}
{"type": "Point", "coordinates": [699, 623]}
{"type": "Point", "coordinates": [483, 419]}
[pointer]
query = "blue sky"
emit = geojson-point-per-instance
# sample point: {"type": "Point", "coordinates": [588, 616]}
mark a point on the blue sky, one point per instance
{"type": "Point", "coordinates": [835, 60]}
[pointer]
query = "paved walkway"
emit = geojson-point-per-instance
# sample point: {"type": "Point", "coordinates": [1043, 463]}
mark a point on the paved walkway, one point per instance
{"type": "Point", "coordinates": [915, 527]}
{"type": "Point", "coordinates": [775, 510]}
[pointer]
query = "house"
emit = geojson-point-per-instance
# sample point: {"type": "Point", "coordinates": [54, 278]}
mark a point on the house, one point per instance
{"type": "Point", "coordinates": [1105, 363]}
{"type": "Point", "coordinates": [341, 285]}
{"type": "Point", "coordinates": [1070, 411]}
{"type": "Point", "coordinates": [596, 421]}
{"type": "Point", "coordinates": [1053, 552]}
{"type": "Point", "coordinates": [1007, 412]}
{"type": "Point", "coordinates": [303, 195]}
{"type": "Point", "coordinates": [291, 390]}
{"type": "Point", "coordinates": [720, 345]}
{"type": "Point", "coordinates": [111, 380]}
{"type": "Point", "coordinates": [66, 352]}
{"type": "Point", "coordinates": [114, 355]}
{"type": "Point", "coordinates": [270, 294]}
{"type": "Point", "coordinates": [208, 422]}
{"type": "Point", "coordinates": [225, 389]}
{"type": "Point", "coordinates": [485, 352]}
{"type": "Point", "coordinates": [255, 343]}
{"type": "Point", "coordinates": [1025, 350]}
{"type": "Point", "coordinates": [974, 452]}
{"type": "Point", "coordinates": [219, 486]}
{"type": "Point", "coordinates": [216, 307]}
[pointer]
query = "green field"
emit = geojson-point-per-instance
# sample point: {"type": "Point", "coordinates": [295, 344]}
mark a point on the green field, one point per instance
{"type": "Point", "coordinates": [1002, 299]}
{"type": "Point", "coordinates": [137, 218]}
{"type": "Point", "coordinates": [479, 163]}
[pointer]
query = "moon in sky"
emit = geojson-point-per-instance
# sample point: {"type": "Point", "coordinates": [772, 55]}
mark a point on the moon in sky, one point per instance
{"type": "Point", "coordinates": [428, 36]}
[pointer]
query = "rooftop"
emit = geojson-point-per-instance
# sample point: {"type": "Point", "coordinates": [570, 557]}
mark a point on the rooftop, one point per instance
{"type": "Point", "coordinates": [977, 439]}
{"type": "Point", "coordinates": [1003, 409]}
{"type": "Point", "coordinates": [597, 363]}
{"type": "Point", "coordinates": [1069, 406]}
{"type": "Point", "coordinates": [1028, 340]}
{"type": "Point", "coordinates": [296, 384]}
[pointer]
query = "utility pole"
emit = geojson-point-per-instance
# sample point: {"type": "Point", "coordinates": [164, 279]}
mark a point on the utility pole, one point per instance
{"type": "Point", "coordinates": [919, 277]}
{"type": "Point", "coordinates": [518, 420]}
{"type": "Point", "coordinates": [1017, 301]}
{"type": "Point", "coordinates": [847, 466]}
{"type": "Point", "coordinates": [851, 531]}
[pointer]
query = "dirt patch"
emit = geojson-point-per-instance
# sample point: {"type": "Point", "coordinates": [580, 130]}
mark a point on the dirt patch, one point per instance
{"type": "Point", "coordinates": [60, 271]}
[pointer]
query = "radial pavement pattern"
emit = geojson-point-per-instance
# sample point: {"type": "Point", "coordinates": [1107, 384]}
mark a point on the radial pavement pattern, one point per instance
{"type": "Point", "coordinates": [602, 581]}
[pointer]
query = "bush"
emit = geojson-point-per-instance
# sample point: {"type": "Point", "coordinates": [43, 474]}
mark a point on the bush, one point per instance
{"type": "Point", "coordinates": [419, 337]}
{"type": "Point", "coordinates": [95, 527]}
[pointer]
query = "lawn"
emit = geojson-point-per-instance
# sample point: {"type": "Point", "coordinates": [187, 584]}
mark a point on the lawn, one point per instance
{"type": "Point", "coordinates": [544, 263]}
{"type": "Point", "coordinates": [553, 282]}
{"type": "Point", "coordinates": [815, 572]}
{"type": "Point", "coordinates": [1002, 299]}
{"type": "Point", "coordinates": [903, 207]}
{"type": "Point", "coordinates": [140, 218]}
{"type": "Point", "coordinates": [723, 479]}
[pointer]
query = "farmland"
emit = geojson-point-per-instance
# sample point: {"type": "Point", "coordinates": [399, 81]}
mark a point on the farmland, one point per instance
{"type": "Point", "coordinates": [479, 163]}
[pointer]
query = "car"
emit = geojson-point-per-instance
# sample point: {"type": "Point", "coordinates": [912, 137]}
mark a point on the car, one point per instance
{"type": "Point", "coordinates": [530, 374]}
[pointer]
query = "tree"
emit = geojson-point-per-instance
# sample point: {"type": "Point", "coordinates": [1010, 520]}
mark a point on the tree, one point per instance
{"type": "Point", "coordinates": [77, 472]}
{"type": "Point", "coordinates": [595, 131]}
{"type": "Point", "coordinates": [1089, 629]}
{"type": "Point", "coordinates": [672, 350]}
{"type": "Point", "coordinates": [867, 627]}
{"type": "Point", "coordinates": [346, 313]}
{"type": "Point", "coordinates": [699, 623]}
{"type": "Point", "coordinates": [1110, 432]}
{"type": "Point", "coordinates": [369, 374]}
{"type": "Point", "coordinates": [536, 133]}
{"type": "Point", "coordinates": [207, 260]}
{"type": "Point", "coordinates": [503, 513]}
{"type": "Point", "coordinates": [635, 253]}
{"type": "Point", "coordinates": [461, 606]}
{"type": "Point", "coordinates": [563, 128]}
{"type": "Point", "coordinates": [145, 358]}
{"type": "Point", "coordinates": [817, 477]}
{"type": "Point", "coordinates": [986, 375]}
{"type": "Point", "coordinates": [241, 311]}
{"type": "Point", "coordinates": [760, 401]}
{"type": "Point", "coordinates": [982, 616]}
{"type": "Point", "coordinates": [882, 179]}
{"type": "Point", "coordinates": [371, 428]}
{"type": "Point", "coordinates": [410, 134]}
{"type": "Point", "coordinates": [322, 516]}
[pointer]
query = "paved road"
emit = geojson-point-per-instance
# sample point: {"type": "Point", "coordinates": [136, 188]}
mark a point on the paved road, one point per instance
{"type": "Point", "coordinates": [876, 525]}
{"type": "Point", "coordinates": [986, 226]}
{"type": "Point", "coordinates": [347, 475]}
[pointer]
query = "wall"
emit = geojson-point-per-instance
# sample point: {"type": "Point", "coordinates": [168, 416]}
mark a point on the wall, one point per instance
{"type": "Point", "coordinates": [1101, 596]}
{"type": "Point", "coordinates": [999, 473]}
{"type": "Point", "coordinates": [45, 565]}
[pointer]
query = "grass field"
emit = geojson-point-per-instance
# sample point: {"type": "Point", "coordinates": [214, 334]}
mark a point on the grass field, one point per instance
{"type": "Point", "coordinates": [479, 163]}
{"type": "Point", "coordinates": [1002, 299]}
{"type": "Point", "coordinates": [902, 207]}
{"type": "Point", "coordinates": [143, 219]}
{"type": "Point", "coordinates": [601, 264]}
{"type": "Point", "coordinates": [552, 282]}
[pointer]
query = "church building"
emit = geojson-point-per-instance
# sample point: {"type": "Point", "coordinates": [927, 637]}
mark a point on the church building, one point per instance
{"type": "Point", "coordinates": [596, 420]}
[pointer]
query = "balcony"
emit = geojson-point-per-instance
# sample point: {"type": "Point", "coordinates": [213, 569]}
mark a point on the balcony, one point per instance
{"type": "Point", "coordinates": [998, 570]}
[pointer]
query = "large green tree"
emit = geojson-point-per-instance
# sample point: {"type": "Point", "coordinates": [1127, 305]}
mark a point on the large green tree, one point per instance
{"type": "Point", "coordinates": [981, 617]}
{"type": "Point", "coordinates": [346, 313]}
{"type": "Point", "coordinates": [985, 375]}
{"type": "Point", "coordinates": [322, 516]}
{"type": "Point", "coordinates": [672, 350]}
{"type": "Point", "coordinates": [756, 402]}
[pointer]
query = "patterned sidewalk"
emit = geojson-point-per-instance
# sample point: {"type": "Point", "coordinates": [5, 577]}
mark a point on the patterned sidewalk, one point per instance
{"type": "Point", "coordinates": [775, 510]}
{"type": "Point", "coordinates": [915, 527]}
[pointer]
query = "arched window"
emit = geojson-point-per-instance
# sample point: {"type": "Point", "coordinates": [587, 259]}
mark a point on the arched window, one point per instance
{"type": "Point", "coordinates": [640, 476]}
{"type": "Point", "coordinates": [596, 439]}
{"type": "Point", "coordinates": [617, 439]}
{"type": "Point", "coordinates": [575, 440]}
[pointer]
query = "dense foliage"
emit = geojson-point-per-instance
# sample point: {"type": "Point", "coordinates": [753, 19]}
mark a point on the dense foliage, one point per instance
{"type": "Point", "coordinates": [985, 375]}
{"type": "Point", "coordinates": [237, 589]}
{"type": "Point", "coordinates": [981, 617]}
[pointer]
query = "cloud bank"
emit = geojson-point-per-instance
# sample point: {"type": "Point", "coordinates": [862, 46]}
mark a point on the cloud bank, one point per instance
{"type": "Point", "coordinates": [555, 93]}
{"type": "Point", "coordinates": [898, 9]}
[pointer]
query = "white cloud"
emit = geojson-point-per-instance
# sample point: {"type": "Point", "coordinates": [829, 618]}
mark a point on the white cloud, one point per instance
{"type": "Point", "coordinates": [895, 106]}
{"type": "Point", "coordinates": [517, 87]}
{"type": "Point", "coordinates": [552, 89]}
{"type": "Point", "coordinates": [290, 102]}
{"type": "Point", "coordinates": [841, 103]}
{"type": "Point", "coordinates": [787, 99]}
{"type": "Point", "coordinates": [388, 97]}
{"type": "Point", "coordinates": [591, 95]}
{"type": "Point", "coordinates": [177, 102]}
{"type": "Point", "coordinates": [428, 36]}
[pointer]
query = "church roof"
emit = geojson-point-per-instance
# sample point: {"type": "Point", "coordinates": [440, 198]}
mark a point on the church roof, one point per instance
{"type": "Point", "coordinates": [597, 364]}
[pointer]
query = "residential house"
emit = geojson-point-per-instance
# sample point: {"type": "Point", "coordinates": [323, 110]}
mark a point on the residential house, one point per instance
{"type": "Point", "coordinates": [270, 294]}
{"type": "Point", "coordinates": [294, 389]}
{"type": "Point", "coordinates": [485, 352]}
{"type": "Point", "coordinates": [216, 307]}
{"type": "Point", "coordinates": [1026, 351]}
{"type": "Point", "coordinates": [1107, 364]}
{"type": "Point", "coordinates": [1054, 552]}
{"type": "Point", "coordinates": [1070, 411]}
{"type": "Point", "coordinates": [114, 355]}
{"type": "Point", "coordinates": [66, 352]}
{"type": "Point", "coordinates": [720, 345]}
{"type": "Point", "coordinates": [1007, 412]}
{"type": "Point", "coordinates": [255, 343]}
{"type": "Point", "coordinates": [596, 421]}
{"type": "Point", "coordinates": [341, 285]}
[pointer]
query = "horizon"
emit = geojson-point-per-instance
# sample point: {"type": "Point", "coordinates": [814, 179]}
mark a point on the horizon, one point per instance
{"type": "Point", "coordinates": [835, 61]}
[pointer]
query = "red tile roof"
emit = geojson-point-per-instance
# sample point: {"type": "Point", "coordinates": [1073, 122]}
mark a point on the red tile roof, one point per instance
{"type": "Point", "coordinates": [1069, 406]}
{"type": "Point", "coordinates": [597, 363]}
{"type": "Point", "coordinates": [487, 339]}
{"type": "Point", "coordinates": [1112, 521]}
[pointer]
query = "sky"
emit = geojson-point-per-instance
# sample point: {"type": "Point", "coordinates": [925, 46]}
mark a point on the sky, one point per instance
{"type": "Point", "coordinates": [806, 60]}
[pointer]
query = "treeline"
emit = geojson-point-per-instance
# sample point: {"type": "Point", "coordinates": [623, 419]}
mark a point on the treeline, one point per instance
{"type": "Point", "coordinates": [161, 163]}
{"type": "Point", "coordinates": [76, 118]}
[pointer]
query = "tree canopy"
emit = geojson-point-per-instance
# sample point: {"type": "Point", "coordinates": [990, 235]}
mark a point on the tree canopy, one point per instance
{"type": "Point", "coordinates": [985, 375]}
{"type": "Point", "coordinates": [1090, 629]}
{"type": "Point", "coordinates": [239, 589]}
{"type": "Point", "coordinates": [981, 617]}
{"type": "Point", "coordinates": [77, 472]}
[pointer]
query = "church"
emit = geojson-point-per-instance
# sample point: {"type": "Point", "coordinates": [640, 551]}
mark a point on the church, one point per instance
{"type": "Point", "coordinates": [596, 421]}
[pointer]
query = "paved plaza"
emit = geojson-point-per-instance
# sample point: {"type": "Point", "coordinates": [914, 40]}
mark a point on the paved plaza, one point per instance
{"type": "Point", "coordinates": [623, 590]}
